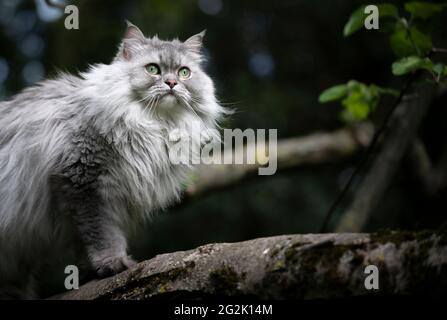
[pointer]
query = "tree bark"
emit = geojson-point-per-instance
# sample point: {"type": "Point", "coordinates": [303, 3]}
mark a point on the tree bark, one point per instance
{"type": "Point", "coordinates": [431, 176]}
{"type": "Point", "coordinates": [314, 149]}
{"type": "Point", "coordinates": [401, 132]}
{"type": "Point", "coordinates": [310, 266]}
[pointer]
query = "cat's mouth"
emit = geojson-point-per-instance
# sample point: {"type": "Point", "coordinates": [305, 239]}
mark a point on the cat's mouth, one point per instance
{"type": "Point", "coordinates": [170, 96]}
{"type": "Point", "coordinates": [169, 100]}
{"type": "Point", "coordinates": [168, 93]}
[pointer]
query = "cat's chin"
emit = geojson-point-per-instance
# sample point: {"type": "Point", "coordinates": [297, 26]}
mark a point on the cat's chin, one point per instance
{"type": "Point", "coordinates": [169, 105]}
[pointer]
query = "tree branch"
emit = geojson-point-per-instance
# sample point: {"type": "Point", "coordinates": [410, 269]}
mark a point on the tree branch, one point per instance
{"type": "Point", "coordinates": [314, 149]}
{"type": "Point", "coordinates": [401, 132]}
{"type": "Point", "coordinates": [433, 178]}
{"type": "Point", "coordinates": [311, 266]}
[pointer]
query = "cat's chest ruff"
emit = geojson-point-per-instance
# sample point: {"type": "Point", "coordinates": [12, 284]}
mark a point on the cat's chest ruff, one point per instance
{"type": "Point", "coordinates": [142, 172]}
{"type": "Point", "coordinates": [143, 152]}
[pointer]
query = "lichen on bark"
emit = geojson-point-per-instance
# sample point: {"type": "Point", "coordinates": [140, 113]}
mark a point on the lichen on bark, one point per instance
{"type": "Point", "coordinates": [311, 266]}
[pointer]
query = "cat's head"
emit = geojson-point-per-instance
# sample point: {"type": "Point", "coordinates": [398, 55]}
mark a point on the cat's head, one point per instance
{"type": "Point", "coordinates": [167, 76]}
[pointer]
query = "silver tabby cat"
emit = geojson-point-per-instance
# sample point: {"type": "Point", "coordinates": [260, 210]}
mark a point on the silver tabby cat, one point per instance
{"type": "Point", "coordinates": [83, 159]}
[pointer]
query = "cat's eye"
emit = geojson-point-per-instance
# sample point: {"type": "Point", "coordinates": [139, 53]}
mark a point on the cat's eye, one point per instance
{"type": "Point", "coordinates": [184, 72]}
{"type": "Point", "coordinates": [153, 69]}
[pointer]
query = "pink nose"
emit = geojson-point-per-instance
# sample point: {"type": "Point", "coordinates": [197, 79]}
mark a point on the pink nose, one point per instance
{"type": "Point", "coordinates": [171, 83]}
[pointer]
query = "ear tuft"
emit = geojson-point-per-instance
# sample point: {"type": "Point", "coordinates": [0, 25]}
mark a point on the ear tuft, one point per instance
{"type": "Point", "coordinates": [131, 39]}
{"type": "Point", "coordinates": [195, 42]}
{"type": "Point", "coordinates": [133, 32]}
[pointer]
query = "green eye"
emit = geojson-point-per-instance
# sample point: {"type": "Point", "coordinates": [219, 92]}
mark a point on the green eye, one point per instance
{"type": "Point", "coordinates": [153, 69]}
{"type": "Point", "coordinates": [184, 73]}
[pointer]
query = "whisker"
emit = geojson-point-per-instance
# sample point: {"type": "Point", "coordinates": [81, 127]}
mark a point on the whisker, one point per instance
{"type": "Point", "coordinates": [148, 104]}
{"type": "Point", "coordinates": [190, 107]}
{"type": "Point", "coordinates": [154, 105]}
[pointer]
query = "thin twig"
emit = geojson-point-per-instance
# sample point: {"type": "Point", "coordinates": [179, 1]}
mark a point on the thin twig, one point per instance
{"type": "Point", "coordinates": [439, 50]}
{"type": "Point", "coordinates": [410, 37]}
{"type": "Point", "coordinates": [369, 152]}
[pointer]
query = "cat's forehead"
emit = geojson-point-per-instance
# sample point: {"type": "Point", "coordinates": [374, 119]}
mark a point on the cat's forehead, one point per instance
{"type": "Point", "coordinates": [169, 54]}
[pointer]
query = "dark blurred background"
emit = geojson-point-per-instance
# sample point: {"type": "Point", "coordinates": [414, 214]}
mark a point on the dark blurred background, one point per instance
{"type": "Point", "coordinates": [270, 60]}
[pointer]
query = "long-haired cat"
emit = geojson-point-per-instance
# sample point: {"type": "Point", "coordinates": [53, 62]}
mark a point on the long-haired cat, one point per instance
{"type": "Point", "coordinates": [84, 158]}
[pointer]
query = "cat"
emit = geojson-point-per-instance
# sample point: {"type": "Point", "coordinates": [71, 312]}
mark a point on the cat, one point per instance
{"type": "Point", "coordinates": [83, 159]}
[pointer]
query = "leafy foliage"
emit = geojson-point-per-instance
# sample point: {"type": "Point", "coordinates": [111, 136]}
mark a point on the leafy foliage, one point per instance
{"type": "Point", "coordinates": [358, 98]}
{"type": "Point", "coordinates": [333, 93]}
{"type": "Point", "coordinates": [410, 64]}
{"type": "Point", "coordinates": [357, 19]}
{"type": "Point", "coordinates": [405, 41]}
{"type": "Point", "coordinates": [423, 10]}
{"type": "Point", "coordinates": [411, 42]}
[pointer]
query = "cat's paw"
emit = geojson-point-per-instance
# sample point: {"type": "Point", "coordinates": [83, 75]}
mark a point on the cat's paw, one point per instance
{"type": "Point", "coordinates": [113, 265]}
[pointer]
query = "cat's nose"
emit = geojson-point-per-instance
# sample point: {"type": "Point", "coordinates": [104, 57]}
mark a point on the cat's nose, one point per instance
{"type": "Point", "coordinates": [171, 83]}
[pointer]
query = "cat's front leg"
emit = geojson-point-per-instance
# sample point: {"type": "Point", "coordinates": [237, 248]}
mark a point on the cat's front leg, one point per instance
{"type": "Point", "coordinates": [110, 264]}
{"type": "Point", "coordinates": [103, 239]}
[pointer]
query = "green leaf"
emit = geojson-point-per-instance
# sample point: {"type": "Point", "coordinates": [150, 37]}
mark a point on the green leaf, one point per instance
{"type": "Point", "coordinates": [421, 40]}
{"type": "Point", "coordinates": [357, 18]}
{"type": "Point", "coordinates": [359, 98]}
{"type": "Point", "coordinates": [355, 22]}
{"type": "Point", "coordinates": [388, 10]}
{"type": "Point", "coordinates": [399, 43]}
{"type": "Point", "coordinates": [354, 85]}
{"type": "Point", "coordinates": [440, 69]}
{"type": "Point", "coordinates": [357, 106]}
{"type": "Point", "coordinates": [333, 93]}
{"type": "Point", "coordinates": [423, 10]}
{"type": "Point", "coordinates": [406, 65]}
{"type": "Point", "coordinates": [402, 45]}
{"type": "Point", "coordinates": [410, 64]}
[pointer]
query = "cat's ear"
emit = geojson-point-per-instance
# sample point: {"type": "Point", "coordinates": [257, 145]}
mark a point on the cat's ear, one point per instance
{"type": "Point", "coordinates": [195, 42]}
{"type": "Point", "coordinates": [133, 37]}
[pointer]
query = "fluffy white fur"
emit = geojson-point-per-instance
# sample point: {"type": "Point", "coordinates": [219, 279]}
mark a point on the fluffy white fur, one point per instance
{"type": "Point", "coordinates": [82, 159]}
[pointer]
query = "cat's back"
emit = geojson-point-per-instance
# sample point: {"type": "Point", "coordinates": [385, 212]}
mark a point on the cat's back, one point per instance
{"type": "Point", "coordinates": [35, 127]}
{"type": "Point", "coordinates": [45, 100]}
{"type": "Point", "coordinates": [37, 122]}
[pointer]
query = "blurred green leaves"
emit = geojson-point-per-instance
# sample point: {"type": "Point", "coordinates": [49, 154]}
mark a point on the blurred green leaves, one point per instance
{"type": "Point", "coordinates": [357, 18]}
{"type": "Point", "coordinates": [405, 40]}
{"type": "Point", "coordinates": [411, 42]}
{"type": "Point", "coordinates": [423, 10]}
{"type": "Point", "coordinates": [333, 93]}
{"type": "Point", "coordinates": [410, 64]}
{"type": "Point", "coordinates": [407, 37]}
{"type": "Point", "coordinates": [440, 69]}
{"type": "Point", "coordinates": [358, 99]}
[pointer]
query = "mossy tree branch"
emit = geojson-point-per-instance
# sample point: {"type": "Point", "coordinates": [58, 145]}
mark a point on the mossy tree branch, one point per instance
{"type": "Point", "coordinates": [308, 266]}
